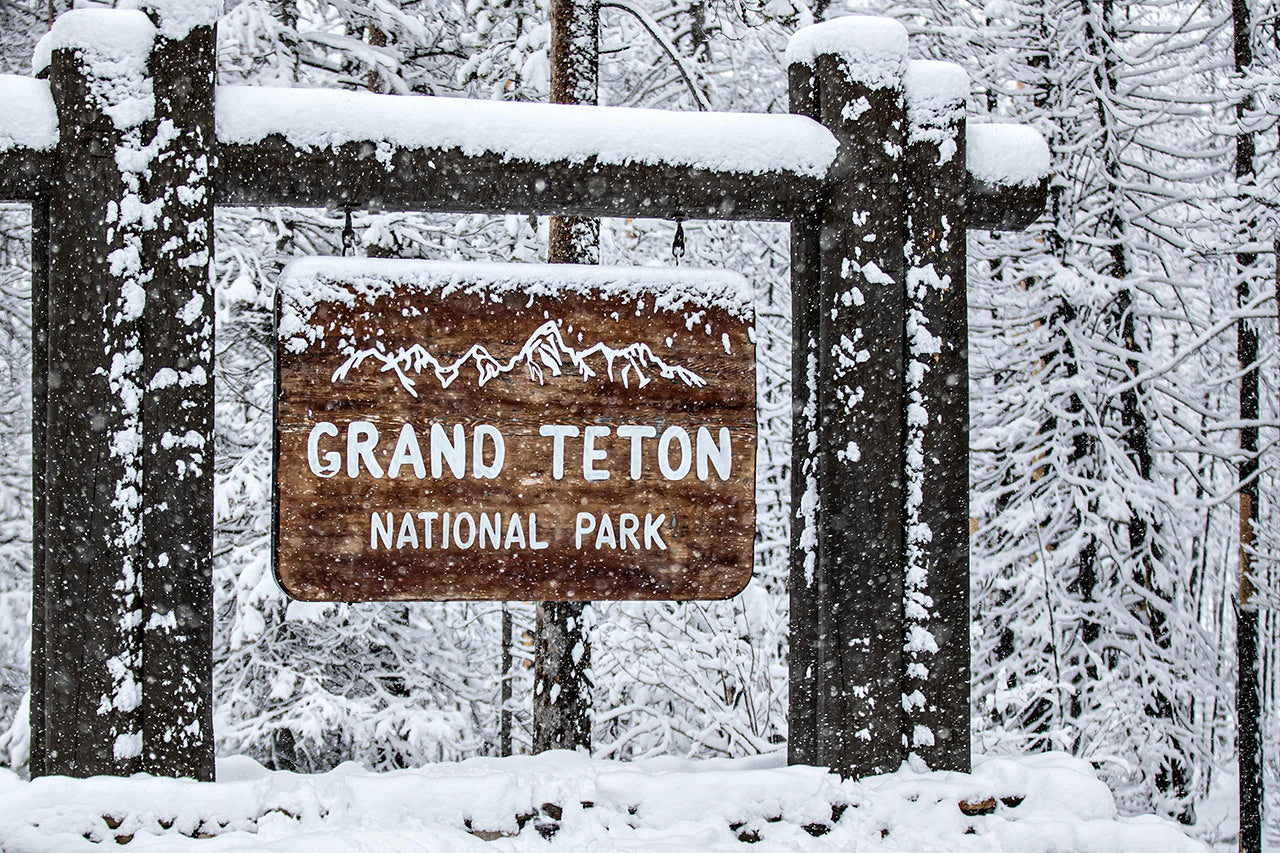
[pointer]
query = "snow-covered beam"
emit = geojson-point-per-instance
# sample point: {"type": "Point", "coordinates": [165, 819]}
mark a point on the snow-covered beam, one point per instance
{"type": "Point", "coordinates": [28, 134]}
{"type": "Point", "coordinates": [1008, 168]}
{"type": "Point", "coordinates": [330, 148]}
{"type": "Point", "coordinates": [325, 148]}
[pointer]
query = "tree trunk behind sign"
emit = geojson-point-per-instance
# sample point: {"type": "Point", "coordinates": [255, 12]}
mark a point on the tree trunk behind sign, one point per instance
{"type": "Point", "coordinates": [562, 652]}
{"type": "Point", "coordinates": [1248, 693]}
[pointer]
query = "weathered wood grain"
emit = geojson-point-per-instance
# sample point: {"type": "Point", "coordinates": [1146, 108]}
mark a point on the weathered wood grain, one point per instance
{"type": "Point", "coordinates": [323, 525]}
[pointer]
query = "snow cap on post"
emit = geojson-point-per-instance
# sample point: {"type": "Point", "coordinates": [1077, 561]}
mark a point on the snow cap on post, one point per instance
{"type": "Point", "coordinates": [934, 89]}
{"type": "Point", "coordinates": [1007, 154]}
{"type": "Point", "coordinates": [116, 36]}
{"type": "Point", "coordinates": [874, 49]}
{"type": "Point", "coordinates": [935, 94]}
{"type": "Point", "coordinates": [177, 18]}
{"type": "Point", "coordinates": [27, 117]}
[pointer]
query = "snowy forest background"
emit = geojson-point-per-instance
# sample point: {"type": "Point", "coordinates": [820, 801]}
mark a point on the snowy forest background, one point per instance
{"type": "Point", "coordinates": [1105, 417]}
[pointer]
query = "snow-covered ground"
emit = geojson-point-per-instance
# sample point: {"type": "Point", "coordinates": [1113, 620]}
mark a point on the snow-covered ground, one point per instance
{"type": "Point", "coordinates": [1038, 804]}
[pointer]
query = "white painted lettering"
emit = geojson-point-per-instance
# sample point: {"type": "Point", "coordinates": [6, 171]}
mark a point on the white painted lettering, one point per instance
{"type": "Point", "coordinates": [604, 533]}
{"type": "Point", "coordinates": [443, 450]}
{"type": "Point", "coordinates": [407, 452]}
{"type": "Point", "coordinates": [628, 524]}
{"type": "Point", "coordinates": [378, 529]}
{"type": "Point", "coordinates": [637, 434]}
{"type": "Point", "coordinates": [534, 543]}
{"type": "Point", "coordinates": [362, 438]}
{"type": "Point", "coordinates": [408, 532]}
{"type": "Point", "coordinates": [557, 433]}
{"type": "Point", "coordinates": [719, 454]}
{"type": "Point", "coordinates": [458, 539]}
{"type": "Point", "coordinates": [427, 518]}
{"type": "Point", "coordinates": [480, 469]}
{"type": "Point", "coordinates": [515, 532]}
{"type": "Point", "coordinates": [582, 525]}
{"type": "Point", "coordinates": [332, 458]}
{"type": "Point", "coordinates": [590, 455]}
{"type": "Point", "coordinates": [679, 436]}
{"type": "Point", "coordinates": [491, 529]}
{"type": "Point", "coordinates": [652, 535]}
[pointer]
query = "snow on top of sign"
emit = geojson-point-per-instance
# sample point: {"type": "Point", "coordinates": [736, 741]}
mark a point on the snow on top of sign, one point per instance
{"type": "Point", "coordinates": [112, 35]}
{"type": "Point", "coordinates": [1041, 802]}
{"type": "Point", "coordinates": [1005, 154]}
{"type": "Point", "coordinates": [308, 282]}
{"type": "Point", "coordinates": [27, 116]}
{"type": "Point", "coordinates": [874, 49]}
{"type": "Point", "coordinates": [322, 118]}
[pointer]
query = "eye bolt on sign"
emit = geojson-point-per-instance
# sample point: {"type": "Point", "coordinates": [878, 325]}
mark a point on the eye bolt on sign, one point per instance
{"type": "Point", "coordinates": [513, 431]}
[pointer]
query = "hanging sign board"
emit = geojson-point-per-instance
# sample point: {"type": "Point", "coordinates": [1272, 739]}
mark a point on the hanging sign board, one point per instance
{"type": "Point", "coordinates": [513, 431]}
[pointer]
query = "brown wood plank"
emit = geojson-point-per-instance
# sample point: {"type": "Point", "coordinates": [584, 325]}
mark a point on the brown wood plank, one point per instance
{"type": "Point", "coordinates": [324, 524]}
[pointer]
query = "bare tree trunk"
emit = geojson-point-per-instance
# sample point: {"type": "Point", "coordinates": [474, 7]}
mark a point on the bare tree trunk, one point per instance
{"type": "Point", "coordinates": [562, 650]}
{"type": "Point", "coordinates": [1248, 698]}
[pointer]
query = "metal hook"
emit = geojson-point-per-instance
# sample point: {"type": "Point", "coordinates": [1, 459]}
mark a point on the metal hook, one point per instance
{"type": "Point", "coordinates": [348, 235]}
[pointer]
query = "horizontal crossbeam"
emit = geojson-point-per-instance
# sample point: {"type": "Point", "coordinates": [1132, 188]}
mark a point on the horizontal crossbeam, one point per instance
{"type": "Point", "coordinates": [275, 172]}
{"type": "Point", "coordinates": [24, 174]}
{"type": "Point", "coordinates": [481, 163]}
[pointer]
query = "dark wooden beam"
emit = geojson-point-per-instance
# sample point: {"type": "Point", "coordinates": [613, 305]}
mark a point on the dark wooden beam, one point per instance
{"type": "Point", "coordinates": [274, 172]}
{"type": "Point", "coordinates": [24, 174]}
{"type": "Point", "coordinates": [992, 207]}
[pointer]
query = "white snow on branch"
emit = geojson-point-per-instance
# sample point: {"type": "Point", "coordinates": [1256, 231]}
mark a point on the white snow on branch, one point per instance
{"type": "Point", "coordinates": [27, 116]}
{"type": "Point", "coordinates": [1005, 154]}
{"type": "Point", "coordinates": [544, 352]}
{"type": "Point", "coordinates": [874, 49]}
{"type": "Point", "coordinates": [750, 143]}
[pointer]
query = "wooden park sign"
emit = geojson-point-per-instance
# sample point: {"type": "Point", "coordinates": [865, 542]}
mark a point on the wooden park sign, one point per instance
{"type": "Point", "coordinates": [510, 431]}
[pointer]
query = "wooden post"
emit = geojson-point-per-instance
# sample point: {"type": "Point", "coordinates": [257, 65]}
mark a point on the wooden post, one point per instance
{"type": "Point", "coordinates": [562, 654]}
{"type": "Point", "coordinates": [88, 608]}
{"type": "Point", "coordinates": [39, 404]}
{"type": "Point", "coordinates": [808, 587]}
{"type": "Point", "coordinates": [936, 677]}
{"type": "Point", "coordinates": [123, 602]}
{"type": "Point", "coordinates": [177, 405]}
{"type": "Point", "coordinates": [855, 588]}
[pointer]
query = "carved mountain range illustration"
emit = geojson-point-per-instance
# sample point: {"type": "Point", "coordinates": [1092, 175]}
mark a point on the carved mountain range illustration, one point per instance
{"type": "Point", "coordinates": [545, 353]}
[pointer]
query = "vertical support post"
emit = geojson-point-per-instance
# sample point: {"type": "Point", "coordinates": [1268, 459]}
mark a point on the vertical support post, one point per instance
{"type": "Point", "coordinates": [936, 678]}
{"type": "Point", "coordinates": [856, 665]}
{"type": "Point", "coordinates": [89, 602]}
{"type": "Point", "coordinates": [39, 402]}
{"type": "Point", "coordinates": [177, 403]}
{"type": "Point", "coordinates": [808, 586]}
{"type": "Point", "coordinates": [124, 621]}
{"type": "Point", "coordinates": [562, 653]}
